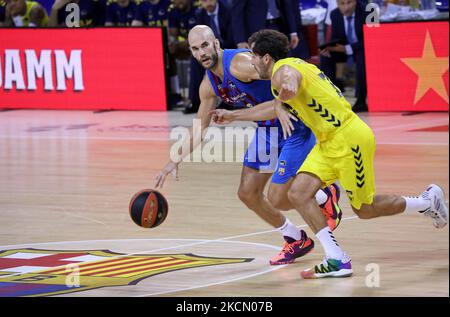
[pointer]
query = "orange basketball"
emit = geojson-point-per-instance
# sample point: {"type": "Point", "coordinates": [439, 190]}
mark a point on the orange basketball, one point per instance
{"type": "Point", "coordinates": [148, 208]}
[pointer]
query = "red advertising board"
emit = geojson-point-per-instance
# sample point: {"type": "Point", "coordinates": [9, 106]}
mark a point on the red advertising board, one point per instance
{"type": "Point", "coordinates": [105, 68]}
{"type": "Point", "coordinates": [407, 66]}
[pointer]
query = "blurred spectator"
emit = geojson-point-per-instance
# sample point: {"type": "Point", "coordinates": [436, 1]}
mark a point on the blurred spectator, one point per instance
{"type": "Point", "coordinates": [302, 49]}
{"type": "Point", "coordinates": [119, 12]}
{"type": "Point", "coordinates": [92, 12]}
{"type": "Point", "coordinates": [250, 16]}
{"type": "Point", "coordinates": [181, 19]}
{"type": "Point", "coordinates": [217, 15]}
{"type": "Point", "coordinates": [331, 6]}
{"type": "Point", "coordinates": [2, 12]}
{"type": "Point", "coordinates": [22, 13]}
{"type": "Point", "coordinates": [151, 13]}
{"type": "Point", "coordinates": [347, 27]}
{"type": "Point", "coordinates": [46, 4]}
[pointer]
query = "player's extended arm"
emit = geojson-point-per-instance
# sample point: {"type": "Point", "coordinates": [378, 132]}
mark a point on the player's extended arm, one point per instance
{"type": "Point", "coordinates": [208, 101]}
{"type": "Point", "coordinates": [264, 111]}
{"type": "Point", "coordinates": [261, 112]}
{"type": "Point", "coordinates": [241, 68]}
{"type": "Point", "coordinates": [286, 81]}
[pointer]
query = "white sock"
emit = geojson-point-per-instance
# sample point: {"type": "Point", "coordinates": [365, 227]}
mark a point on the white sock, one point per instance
{"type": "Point", "coordinates": [329, 244]}
{"type": "Point", "coordinates": [416, 204]}
{"type": "Point", "coordinates": [290, 230]}
{"type": "Point", "coordinates": [321, 197]}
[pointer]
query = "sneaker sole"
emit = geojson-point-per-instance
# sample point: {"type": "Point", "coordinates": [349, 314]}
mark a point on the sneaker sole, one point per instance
{"type": "Point", "coordinates": [282, 262]}
{"type": "Point", "coordinates": [441, 197]}
{"type": "Point", "coordinates": [311, 247]}
{"type": "Point", "coordinates": [340, 273]}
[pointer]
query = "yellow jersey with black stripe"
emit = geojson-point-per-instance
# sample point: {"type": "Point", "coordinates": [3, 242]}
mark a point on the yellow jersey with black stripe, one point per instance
{"type": "Point", "coordinates": [319, 103]}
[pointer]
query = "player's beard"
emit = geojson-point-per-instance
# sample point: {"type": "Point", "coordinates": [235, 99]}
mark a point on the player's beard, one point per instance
{"type": "Point", "coordinates": [265, 74]}
{"type": "Point", "coordinates": [213, 58]}
{"type": "Point", "coordinates": [262, 71]}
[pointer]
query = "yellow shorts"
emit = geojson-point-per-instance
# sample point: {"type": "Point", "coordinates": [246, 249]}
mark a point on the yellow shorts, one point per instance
{"type": "Point", "coordinates": [346, 156]}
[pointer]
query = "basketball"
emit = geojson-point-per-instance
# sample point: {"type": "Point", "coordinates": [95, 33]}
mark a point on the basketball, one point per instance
{"type": "Point", "coordinates": [148, 208]}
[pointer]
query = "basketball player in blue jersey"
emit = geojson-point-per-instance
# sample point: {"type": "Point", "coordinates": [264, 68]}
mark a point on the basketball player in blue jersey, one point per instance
{"type": "Point", "coordinates": [232, 78]}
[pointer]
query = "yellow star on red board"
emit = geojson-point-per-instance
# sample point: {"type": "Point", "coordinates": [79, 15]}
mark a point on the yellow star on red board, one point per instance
{"type": "Point", "coordinates": [429, 68]}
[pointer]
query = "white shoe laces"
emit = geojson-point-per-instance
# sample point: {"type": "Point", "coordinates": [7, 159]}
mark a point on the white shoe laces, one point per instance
{"type": "Point", "coordinates": [436, 210]}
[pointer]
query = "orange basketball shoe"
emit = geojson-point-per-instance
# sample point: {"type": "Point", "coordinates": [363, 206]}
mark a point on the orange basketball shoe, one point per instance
{"type": "Point", "coordinates": [330, 208]}
{"type": "Point", "coordinates": [293, 249]}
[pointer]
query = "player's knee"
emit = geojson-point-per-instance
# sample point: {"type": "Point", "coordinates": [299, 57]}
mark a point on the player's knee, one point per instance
{"type": "Point", "coordinates": [297, 198]}
{"type": "Point", "coordinates": [248, 196]}
{"type": "Point", "coordinates": [278, 201]}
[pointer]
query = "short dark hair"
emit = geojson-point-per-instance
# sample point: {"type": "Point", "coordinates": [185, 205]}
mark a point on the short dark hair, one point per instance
{"type": "Point", "coordinates": [271, 42]}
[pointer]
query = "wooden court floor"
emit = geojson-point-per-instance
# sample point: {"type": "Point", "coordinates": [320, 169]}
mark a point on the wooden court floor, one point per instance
{"type": "Point", "coordinates": [66, 178]}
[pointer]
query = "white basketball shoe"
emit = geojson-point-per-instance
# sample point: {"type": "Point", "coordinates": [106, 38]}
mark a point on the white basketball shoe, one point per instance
{"type": "Point", "coordinates": [438, 210]}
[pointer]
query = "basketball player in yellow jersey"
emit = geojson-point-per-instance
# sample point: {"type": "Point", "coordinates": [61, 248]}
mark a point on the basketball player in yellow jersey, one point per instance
{"type": "Point", "coordinates": [344, 151]}
{"type": "Point", "coordinates": [22, 13]}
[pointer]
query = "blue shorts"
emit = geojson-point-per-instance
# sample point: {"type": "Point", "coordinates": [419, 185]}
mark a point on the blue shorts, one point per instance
{"type": "Point", "coordinates": [270, 153]}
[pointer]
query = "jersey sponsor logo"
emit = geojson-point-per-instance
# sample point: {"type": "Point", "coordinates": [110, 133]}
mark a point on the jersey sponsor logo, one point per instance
{"type": "Point", "coordinates": [37, 272]}
{"type": "Point", "coordinates": [233, 95]}
{"type": "Point", "coordinates": [282, 168]}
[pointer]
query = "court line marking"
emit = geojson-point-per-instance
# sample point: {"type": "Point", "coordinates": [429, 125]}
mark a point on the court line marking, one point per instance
{"type": "Point", "coordinates": [277, 267]}
{"type": "Point", "coordinates": [198, 242]}
{"type": "Point", "coordinates": [235, 279]}
{"type": "Point", "coordinates": [202, 241]}
{"type": "Point", "coordinates": [68, 214]}
{"type": "Point", "coordinates": [162, 249]}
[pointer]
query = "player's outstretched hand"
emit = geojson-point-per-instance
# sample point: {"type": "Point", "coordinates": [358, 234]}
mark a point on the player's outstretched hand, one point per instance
{"type": "Point", "coordinates": [222, 116]}
{"type": "Point", "coordinates": [288, 89]}
{"type": "Point", "coordinates": [285, 118]}
{"type": "Point", "coordinates": [170, 168]}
